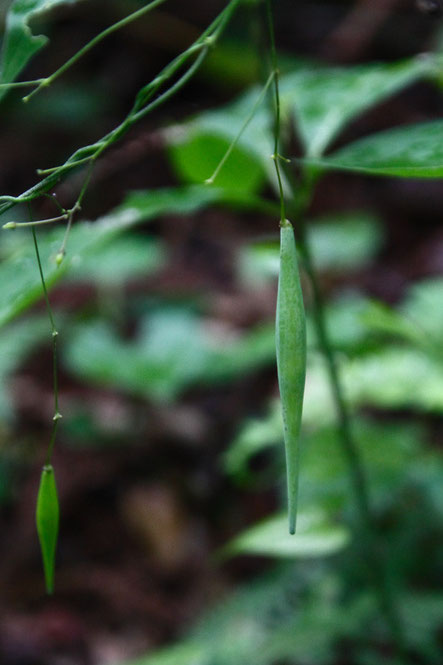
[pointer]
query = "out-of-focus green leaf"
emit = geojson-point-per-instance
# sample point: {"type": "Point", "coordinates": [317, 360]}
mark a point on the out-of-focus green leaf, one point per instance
{"type": "Point", "coordinates": [124, 258]}
{"type": "Point", "coordinates": [16, 341]}
{"type": "Point", "coordinates": [325, 99]}
{"type": "Point", "coordinates": [20, 285]}
{"type": "Point", "coordinates": [315, 537]}
{"type": "Point", "coordinates": [414, 151]}
{"type": "Point", "coordinates": [281, 618]}
{"type": "Point", "coordinates": [171, 352]}
{"type": "Point", "coordinates": [339, 243]}
{"type": "Point", "coordinates": [396, 378]}
{"type": "Point", "coordinates": [423, 309]}
{"type": "Point", "coordinates": [19, 44]}
{"type": "Point", "coordinates": [344, 242]}
{"type": "Point", "coordinates": [197, 148]}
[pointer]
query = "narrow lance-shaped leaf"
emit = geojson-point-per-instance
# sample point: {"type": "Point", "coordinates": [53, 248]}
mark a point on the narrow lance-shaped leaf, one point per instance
{"type": "Point", "coordinates": [47, 519]}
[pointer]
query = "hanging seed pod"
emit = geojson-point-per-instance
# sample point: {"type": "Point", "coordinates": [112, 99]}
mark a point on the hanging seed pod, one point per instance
{"type": "Point", "coordinates": [291, 359]}
{"type": "Point", "coordinates": [47, 519]}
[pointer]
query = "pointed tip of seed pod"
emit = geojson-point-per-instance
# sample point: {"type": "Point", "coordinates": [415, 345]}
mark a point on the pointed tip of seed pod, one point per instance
{"type": "Point", "coordinates": [10, 225]}
{"type": "Point", "coordinates": [292, 524]}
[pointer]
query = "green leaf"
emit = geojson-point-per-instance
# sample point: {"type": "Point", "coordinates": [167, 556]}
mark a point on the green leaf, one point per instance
{"type": "Point", "coordinates": [16, 342]}
{"type": "Point", "coordinates": [19, 44]}
{"type": "Point", "coordinates": [171, 352]}
{"type": "Point", "coordinates": [20, 285]}
{"type": "Point", "coordinates": [413, 151]}
{"type": "Point", "coordinates": [344, 242]}
{"type": "Point", "coordinates": [315, 537]}
{"type": "Point", "coordinates": [197, 148]}
{"type": "Point", "coordinates": [119, 260]}
{"type": "Point", "coordinates": [396, 378]}
{"type": "Point", "coordinates": [325, 99]}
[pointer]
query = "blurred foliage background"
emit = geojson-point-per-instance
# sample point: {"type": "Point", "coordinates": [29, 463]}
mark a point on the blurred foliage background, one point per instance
{"type": "Point", "coordinates": [170, 463]}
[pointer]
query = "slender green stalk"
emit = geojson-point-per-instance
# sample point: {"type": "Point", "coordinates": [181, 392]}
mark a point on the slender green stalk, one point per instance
{"type": "Point", "coordinates": [39, 222]}
{"type": "Point", "coordinates": [77, 206]}
{"type": "Point", "coordinates": [44, 83]}
{"type": "Point", "coordinates": [20, 84]}
{"type": "Point", "coordinates": [228, 152]}
{"type": "Point", "coordinates": [276, 155]}
{"type": "Point", "coordinates": [54, 334]}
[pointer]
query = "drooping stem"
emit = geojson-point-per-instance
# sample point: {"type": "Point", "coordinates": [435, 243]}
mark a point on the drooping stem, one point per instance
{"type": "Point", "coordinates": [54, 333]}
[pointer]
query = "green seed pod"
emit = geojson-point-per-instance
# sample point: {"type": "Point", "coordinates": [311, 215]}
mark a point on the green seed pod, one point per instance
{"type": "Point", "coordinates": [291, 359]}
{"type": "Point", "coordinates": [47, 519]}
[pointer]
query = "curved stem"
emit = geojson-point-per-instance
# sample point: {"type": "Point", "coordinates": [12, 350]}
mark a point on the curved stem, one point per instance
{"type": "Point", "coordinates": [44, 83]}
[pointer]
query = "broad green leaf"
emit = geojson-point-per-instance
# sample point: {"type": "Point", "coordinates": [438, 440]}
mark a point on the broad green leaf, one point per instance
{"type": "Point", "coordinates": [423, 309]}
{"type": "Point", "coordinates": [315, 537]}
{"type": "Point", "coordinates": [197, 148]}
{"type": "Point", "coordinates": [20, 285]}
{"type": "Point", "coordinates": [120, 260]}
{"type": "Point", "coordinates": [171, 352]}
{"type": "Point", "coordinates": [413, 151]}
{"type": "Point", "coordinates": [20, 44]}
{"type": "Point", "coordinates": [396, 378]}
{"type": "Point", "coordinates": [344, 242]}
{"type": "Point", "coordinates": [325, 99]}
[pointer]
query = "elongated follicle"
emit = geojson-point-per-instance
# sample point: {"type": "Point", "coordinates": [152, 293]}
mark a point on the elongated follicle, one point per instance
{"type": "Point", "coordinates": [47, 519]}
{"type": "Point", "coordinates": [291, 359]}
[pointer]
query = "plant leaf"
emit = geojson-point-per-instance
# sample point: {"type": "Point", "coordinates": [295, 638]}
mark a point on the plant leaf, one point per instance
{"type": "Point", "coordinates": [414, 151]}
{"type": "Point", "coordinates": [20, 285]}
{"type": "Point", "coordinates": [315, 537]}
{"type": "Point", "coordinates": [20, 44]}
{"type": "Point", "coordinates": [325, 99]}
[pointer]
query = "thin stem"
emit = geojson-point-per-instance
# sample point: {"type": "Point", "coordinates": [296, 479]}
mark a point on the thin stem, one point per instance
{"type": "Point", "coordinates": [228, 152]}
{"type": "Point", "coordinates": [44, 83]}
{"type": "Point", "coordinates": [54, 334]}
{"type": "Point", "coordinates": [139, 111]}
{"type": "Point", "coordinates": [39, 222]}
{"type": "Point", "coordinates": [77, 206]}
{"type": "Point", "coordinates": [277, 129]}
{"type": "Point", "coordinates": [65, 166]}
{"type": "Point", "coordinates": [20, 84]}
